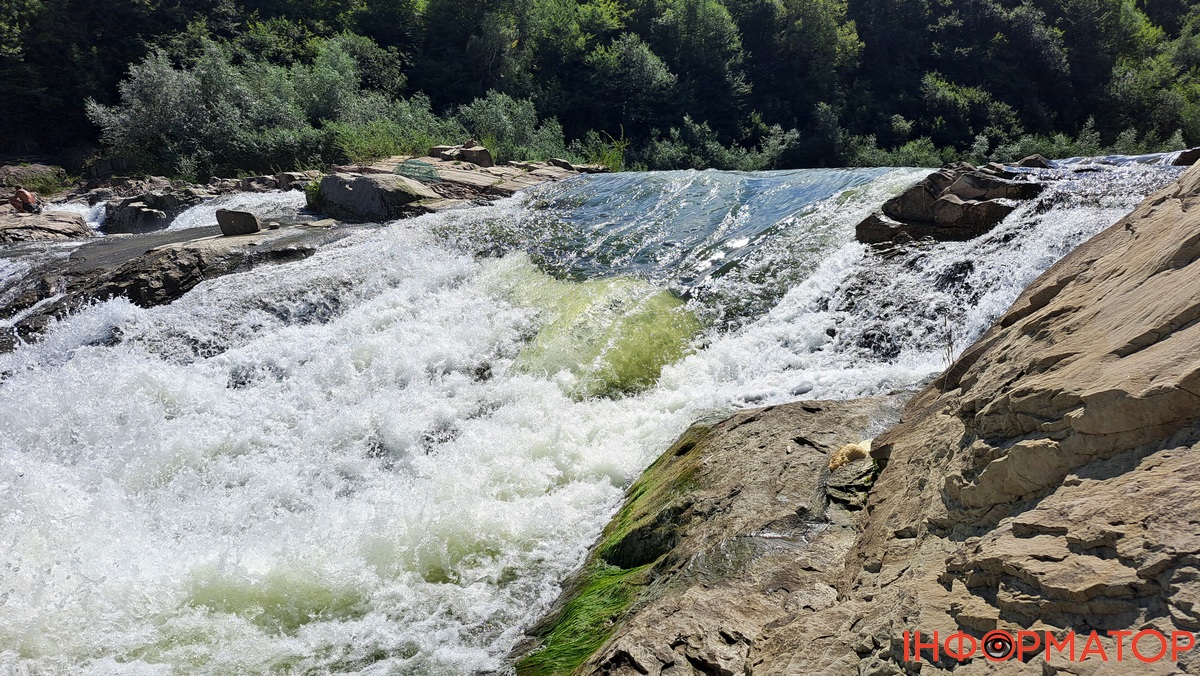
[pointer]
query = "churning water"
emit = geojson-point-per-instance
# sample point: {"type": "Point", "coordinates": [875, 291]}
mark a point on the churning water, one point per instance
{"type": "Point", "coordinates": [385, 458]}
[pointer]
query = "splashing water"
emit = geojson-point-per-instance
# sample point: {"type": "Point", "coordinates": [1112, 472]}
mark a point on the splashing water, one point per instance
{"type": "Point", "coordinates": [379, 459]}
{"type": "Point", "coordinates": [264, 205]}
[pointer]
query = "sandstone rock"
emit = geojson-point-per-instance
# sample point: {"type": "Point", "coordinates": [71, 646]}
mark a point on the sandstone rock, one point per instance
{"type": "Point", "coordinates": [749, 545]}
{"type": "Point", "coordinates": [259, 183]}
{"type": "Point", "coordinates": [48, 225]}
{"type": "Point", "coordinates": [295, 180]}
{"type": "Point", "coordinates": [561, 164]}
{"type": "Point", "coordinates": [1035, 162]}
{"type": "Point", "coordinates": [237, 222]}
{"type": "Point", "coordinates": [476, 155]}
{"type": "Point", "coordinates": [850, 482]}
{"type": "Point", "coordinates": [1047, 481]}
{"type": "Point", "coordinates": [375, 198]}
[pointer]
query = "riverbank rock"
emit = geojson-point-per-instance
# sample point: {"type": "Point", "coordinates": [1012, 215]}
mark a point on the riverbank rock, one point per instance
{"type": "Point", "coordinates": [371, 198]}
{"type": "Point", "coordinates": [729, 533]}
{"type": "Point", "coordinates": [957, 202]}
{"type": "Point", "coordinates": [48, 225]}
{"type": "Point", "coordinates": [1048, 481]}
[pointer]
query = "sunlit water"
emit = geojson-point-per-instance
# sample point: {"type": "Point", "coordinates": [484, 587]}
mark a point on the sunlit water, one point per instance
{"type": "Point", "coordinates": [385, 458]}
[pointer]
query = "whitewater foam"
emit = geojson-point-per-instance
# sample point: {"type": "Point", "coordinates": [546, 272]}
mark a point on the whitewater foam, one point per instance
{"type": "Point", "coordinates": [341, 464]}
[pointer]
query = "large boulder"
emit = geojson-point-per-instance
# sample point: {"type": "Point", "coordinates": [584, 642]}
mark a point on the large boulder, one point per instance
{"type": "Point", "coordinates": [375, 198]}
{"type": "Point", "coordinates": [48, 225]}
{"type": "Point", "coordinates": [150, 211]}
{"type": "Point", "coordinates": [237, 222]}
{"type": "Point", "coordinates": [956, 202]}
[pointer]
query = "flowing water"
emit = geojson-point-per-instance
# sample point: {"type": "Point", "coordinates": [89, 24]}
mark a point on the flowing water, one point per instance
{"type": "Point", "coordinates": [385, 458]}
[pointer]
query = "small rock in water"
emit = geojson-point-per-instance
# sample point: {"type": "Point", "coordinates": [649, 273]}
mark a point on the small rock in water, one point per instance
{"type": "Point", "coordinates": [237, 222]}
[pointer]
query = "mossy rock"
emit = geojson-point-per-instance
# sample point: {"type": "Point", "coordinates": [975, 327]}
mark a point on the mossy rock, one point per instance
{"type": "Point", "coordinates": [632, 551]}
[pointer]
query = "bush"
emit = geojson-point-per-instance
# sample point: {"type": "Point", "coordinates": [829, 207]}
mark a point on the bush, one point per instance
{"type": "Point", "coordinates": [510, 128]}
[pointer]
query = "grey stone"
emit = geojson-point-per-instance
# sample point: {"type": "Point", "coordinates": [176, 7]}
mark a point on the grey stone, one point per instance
{"type": "Point", "coordinates": [237, 222]}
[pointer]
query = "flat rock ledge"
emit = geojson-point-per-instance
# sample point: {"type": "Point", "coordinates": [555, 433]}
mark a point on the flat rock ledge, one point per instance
{"type": "Point", "coordinates": [43, 227]}
{"type": "Point", "coordinates": [403, 186]}
{"type": "Point", "coordinates": [150, 269]}
{"type": "Point", "coordinates": [1048, 481]}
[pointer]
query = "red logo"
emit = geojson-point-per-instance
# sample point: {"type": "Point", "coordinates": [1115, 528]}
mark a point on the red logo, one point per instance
{"type": "Point", "coordinates": [1148, 645]}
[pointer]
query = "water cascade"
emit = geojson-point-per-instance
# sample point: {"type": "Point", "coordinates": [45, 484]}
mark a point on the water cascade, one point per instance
{"type": "Point", "coordinates": [385, 458]}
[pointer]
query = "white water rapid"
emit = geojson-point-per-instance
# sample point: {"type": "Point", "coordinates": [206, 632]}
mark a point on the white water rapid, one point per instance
{"type": "Point", "coordinates": [385, 458]}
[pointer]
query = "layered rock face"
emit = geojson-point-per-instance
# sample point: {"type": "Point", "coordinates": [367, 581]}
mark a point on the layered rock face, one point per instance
{"type": "Point", "coordinates": [1047, 482]}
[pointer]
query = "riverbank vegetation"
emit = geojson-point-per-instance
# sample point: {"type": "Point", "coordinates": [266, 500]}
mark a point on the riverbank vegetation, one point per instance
{"type": "Point", "coordinates": [193, 87]}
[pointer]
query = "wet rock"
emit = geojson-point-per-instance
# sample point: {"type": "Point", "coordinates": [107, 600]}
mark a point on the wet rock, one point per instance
{"type": "Point", "coordinates": [1188, 157]}
{"type": "Point", "coordinates": [48, 225]}
{"type": "Point", "coordinates": [237, 222]}
{"type": "Point", "coordinates": [134, 216]}
{"type": "Point", "coordinates": [748, 545]}
{"type": "Point", "coordinates": [1035, 162]}
{"type": "Point", "coordinates": [374, 198]}
{"type": "Point", "coordinates": [957, 202]}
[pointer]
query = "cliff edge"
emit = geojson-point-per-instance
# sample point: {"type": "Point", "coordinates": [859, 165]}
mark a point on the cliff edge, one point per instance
{"type": "Point", "coordinates": [1047, 482]}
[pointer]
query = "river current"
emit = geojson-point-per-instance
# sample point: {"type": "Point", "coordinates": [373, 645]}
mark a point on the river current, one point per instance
{"type": "Point", "coordinates": [387, 457]}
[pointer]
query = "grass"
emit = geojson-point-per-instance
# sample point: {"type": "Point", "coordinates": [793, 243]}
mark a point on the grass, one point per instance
{"type": "Point", "coordinates": [622, 566]}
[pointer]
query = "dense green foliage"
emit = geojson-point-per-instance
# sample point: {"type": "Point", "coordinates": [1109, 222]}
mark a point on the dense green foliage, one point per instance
{"type": "Point", "coordinates": [192, 86]}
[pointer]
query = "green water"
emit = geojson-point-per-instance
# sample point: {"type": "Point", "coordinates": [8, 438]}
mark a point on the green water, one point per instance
{"type": "Point", "coordinates": [599, 337]}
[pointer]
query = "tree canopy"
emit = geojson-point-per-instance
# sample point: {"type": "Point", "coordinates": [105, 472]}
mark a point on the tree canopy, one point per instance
{"type": "Point", "coordinates": [203, 85]}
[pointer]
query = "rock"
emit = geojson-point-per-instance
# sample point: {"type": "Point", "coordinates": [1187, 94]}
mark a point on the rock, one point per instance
{"type": "Point", "coordinates": [591, 168]}
{"type": "Point", "coordinates": [375, 198]}
{"type": "Point", "coordinates": [850, 483]}
{"type": "Point", "coordinates": [237, 222]}
{"type": "Point", "coordinates": [148, 211]}
{"type": "Point", "coordinates": [12, 175]}
{"type": "Point", "coordinates": [259, 183]}
{"type": "Point", "coordinates": [48, 225]}
{"type": "Point", "coordinates": [99, 195]}
{"type": "Point", "coordinates": [1035, 162]}
{"type": "Point", "coordinates": [134, 216]}
{"type": "Point", "coordinates": [476, 155]}
{"type": "Point", "coordinates": [957, 202]}
{"type": "Point", "coordinates": [295, 180]}
{"type": "Point", "coordinates": [1188, 157]}
{"type": "Point", "coordinates": [561, 164]}
{"type": "Point", "coordinates": [448, 153]}
{"type": "Point", "coordinates": [710, 570]}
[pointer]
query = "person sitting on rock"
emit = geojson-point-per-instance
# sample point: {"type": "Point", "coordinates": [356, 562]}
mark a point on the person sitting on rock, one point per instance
{"type": "Point", "coordinates": [26, 201]}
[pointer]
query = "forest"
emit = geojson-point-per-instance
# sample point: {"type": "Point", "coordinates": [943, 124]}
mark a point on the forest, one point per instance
{"type": "Point", "coordinates": [191, 88]}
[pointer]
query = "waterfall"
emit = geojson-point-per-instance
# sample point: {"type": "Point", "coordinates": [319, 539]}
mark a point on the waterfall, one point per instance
{"type": "Point", "coordinates": [385, 458]}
